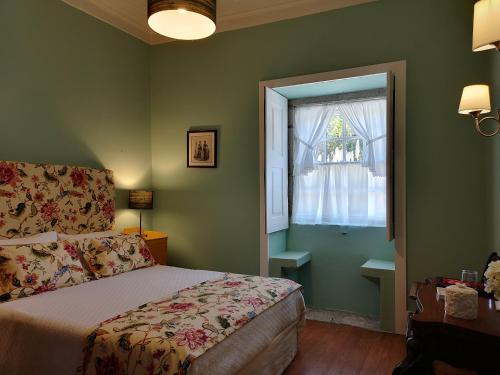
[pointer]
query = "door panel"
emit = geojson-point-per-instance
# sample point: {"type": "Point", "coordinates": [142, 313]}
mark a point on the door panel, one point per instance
{"type": "Point", "coordinates": [277, 194]}
{"type": "Point", "coordinates": [276, 161]}
{"type": "Point", "coordinates": [390, 157]}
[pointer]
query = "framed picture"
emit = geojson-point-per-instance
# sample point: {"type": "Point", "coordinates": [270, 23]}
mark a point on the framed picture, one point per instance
{"type": "Point", "coordinates": [202, 149]}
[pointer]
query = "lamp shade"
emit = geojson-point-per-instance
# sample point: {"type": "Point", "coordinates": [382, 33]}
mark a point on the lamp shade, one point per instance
{"type": "Point", "coordinates": [182, 19]}
{"type": "Point", "coordinates": [486, 34]}
{"type": "Point", "coordinates": [475, 98]}
{"type": "Point", "coordinates": [140, 199]}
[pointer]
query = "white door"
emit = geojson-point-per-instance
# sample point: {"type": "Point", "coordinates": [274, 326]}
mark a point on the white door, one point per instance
{"type": "Point", "coordinates": [276, 161]}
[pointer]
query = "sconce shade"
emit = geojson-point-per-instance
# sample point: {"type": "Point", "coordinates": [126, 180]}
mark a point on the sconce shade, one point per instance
{"type": "Point", "coordinates": [182, 19]}
{"type": "Point", "coordinates": [475, 98]}
{"type": "Point", "coordinates": [140, 200]}
{"type": "Point", "coordinates": [486, 34]}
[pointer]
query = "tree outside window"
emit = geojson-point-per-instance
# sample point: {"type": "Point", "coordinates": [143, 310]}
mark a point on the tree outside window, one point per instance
{"type": "Point", "coordinates": [340, 144]}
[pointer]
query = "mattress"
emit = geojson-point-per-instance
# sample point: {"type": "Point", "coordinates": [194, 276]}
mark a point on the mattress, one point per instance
{"type": "Point", "coordinates": [44, 334]}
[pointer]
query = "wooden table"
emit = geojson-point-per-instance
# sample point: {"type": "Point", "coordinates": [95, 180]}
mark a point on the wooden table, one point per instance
{"type": "Point", "coordinates": [433, 335]}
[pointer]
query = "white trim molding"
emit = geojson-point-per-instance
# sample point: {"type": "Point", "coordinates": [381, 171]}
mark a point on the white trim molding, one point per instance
{"type": "Point", "coordinates": [398, 69]}
{"type": "Point", "coordinates": [130, 16]}
{"type": "Point", "coordinates": [259, 12]}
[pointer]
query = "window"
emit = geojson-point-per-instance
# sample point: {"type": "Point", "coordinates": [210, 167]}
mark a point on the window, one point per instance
{"type": "Point", "coordinates": [340, 143]}
{"type": "Point", "coordinates": [339, 155]}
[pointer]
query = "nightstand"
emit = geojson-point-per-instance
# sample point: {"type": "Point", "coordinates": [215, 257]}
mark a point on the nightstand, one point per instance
{"type": "Point", "coordinates": [156, 241]}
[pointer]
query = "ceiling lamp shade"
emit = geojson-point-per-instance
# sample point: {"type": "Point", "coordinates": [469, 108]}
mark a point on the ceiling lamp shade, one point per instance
{"type": "Point", "coordinates": [475, 99]}
{"type": "Point", "coordinates": [486, 34]}
{"type": "Point", "coordinates": [182, 19]}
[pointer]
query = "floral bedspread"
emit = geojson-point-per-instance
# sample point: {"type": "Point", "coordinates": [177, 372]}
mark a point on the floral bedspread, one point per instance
{"type": "Point", "coordinates": [164, 337]}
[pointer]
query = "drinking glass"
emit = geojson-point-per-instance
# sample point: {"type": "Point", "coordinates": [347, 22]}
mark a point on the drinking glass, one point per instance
{"type": "Point", "coordinates": [469, 277]}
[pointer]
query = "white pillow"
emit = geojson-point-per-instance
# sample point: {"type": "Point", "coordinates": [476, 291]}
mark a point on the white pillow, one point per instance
{"type": "Point", "coordinates": [37, 238]}
{"type": "Point", "coordinates": [83, 236]}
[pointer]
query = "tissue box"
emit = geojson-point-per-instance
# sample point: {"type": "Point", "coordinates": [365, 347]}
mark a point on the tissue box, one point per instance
{"type": "Point", "coordinates": [461, 302]}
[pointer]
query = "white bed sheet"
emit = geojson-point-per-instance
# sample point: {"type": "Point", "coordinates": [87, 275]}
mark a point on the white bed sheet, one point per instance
{"type": "Point", "coordinates": [89, 304]}
{"type": "Point", "coordinates": [44, 334]}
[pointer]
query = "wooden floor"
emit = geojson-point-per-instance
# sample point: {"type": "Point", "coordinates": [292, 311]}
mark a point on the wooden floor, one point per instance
{"type": "Point", "coordinates": [327, 348]}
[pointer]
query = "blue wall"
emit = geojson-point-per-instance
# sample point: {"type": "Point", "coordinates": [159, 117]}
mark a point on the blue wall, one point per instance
{"type": "Point", "coordinates": [332, 280]}
{"type": "Point", "coordinates": [278, 241]}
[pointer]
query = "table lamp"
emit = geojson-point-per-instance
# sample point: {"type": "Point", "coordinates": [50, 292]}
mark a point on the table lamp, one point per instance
{"type": "Point", "coordinates": [140, 200]}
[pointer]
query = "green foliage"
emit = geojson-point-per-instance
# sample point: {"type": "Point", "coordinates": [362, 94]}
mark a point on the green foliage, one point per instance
{"type": "Point", "coordinates": [341, 143]}
{"type": "Point", "coordinates": [335, 129]}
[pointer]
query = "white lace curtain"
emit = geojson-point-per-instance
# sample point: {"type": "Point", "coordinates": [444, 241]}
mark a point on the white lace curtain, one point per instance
{"type": "Point", "coordinates": [368, 118]}
{"type": "Point", "coordinates": [313, 120]}
{"type": "Point", "coordinates": [340, 194]}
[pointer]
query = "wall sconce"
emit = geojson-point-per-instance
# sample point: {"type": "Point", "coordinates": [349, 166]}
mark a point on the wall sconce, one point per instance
{"type": "Point", "coordinates": [475, 102]}
{"type": "Point", "coordinates": [486, 34]}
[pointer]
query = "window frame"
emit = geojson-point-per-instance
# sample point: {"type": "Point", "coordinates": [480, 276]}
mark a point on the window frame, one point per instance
{"type": "Point", "coordinates": [396, 71]}
{"type": "Point", "coordinates": [344, 138]}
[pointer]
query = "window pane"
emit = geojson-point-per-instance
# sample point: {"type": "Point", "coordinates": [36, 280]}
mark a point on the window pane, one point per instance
{"type": "Point", "coordinates": [335, 151]}
{"type": "Point", "coordinates": [354, 150]}
{"type": "Point", "coordinates": [349, 131]}
{"type": "Point", "coordinates": [334, 129]}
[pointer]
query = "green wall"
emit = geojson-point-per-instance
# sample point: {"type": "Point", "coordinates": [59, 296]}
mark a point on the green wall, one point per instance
{"type": "Point", "coordinates": [332, 280]}
{"type": "Point", "coordinates": [74, 90]}
{"type": "Point", "coordinates": [212, 216]}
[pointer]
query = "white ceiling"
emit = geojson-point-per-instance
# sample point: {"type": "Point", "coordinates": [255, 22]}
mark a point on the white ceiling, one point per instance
{"type": "Point", "coordinates": [131, 15]}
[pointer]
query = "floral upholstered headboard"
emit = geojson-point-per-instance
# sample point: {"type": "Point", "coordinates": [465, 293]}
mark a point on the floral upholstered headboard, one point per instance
{"type": "Point", "coordinates": [38, 198]}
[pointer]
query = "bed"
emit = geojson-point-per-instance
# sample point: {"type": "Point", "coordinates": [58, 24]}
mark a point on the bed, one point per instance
{"type": "Point", "coordinates": [46, 333]}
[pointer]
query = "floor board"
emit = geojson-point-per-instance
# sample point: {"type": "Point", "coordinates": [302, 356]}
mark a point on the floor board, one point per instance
{"type": "Point", "coordinates": [327, 348]}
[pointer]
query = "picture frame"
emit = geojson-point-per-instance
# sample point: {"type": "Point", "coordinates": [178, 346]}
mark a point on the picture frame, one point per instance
{"type": "Point", "coordinates": [202, 149]}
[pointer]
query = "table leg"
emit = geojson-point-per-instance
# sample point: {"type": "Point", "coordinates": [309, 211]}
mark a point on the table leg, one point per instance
{"type": "Point", "coordinates": [413, 363]}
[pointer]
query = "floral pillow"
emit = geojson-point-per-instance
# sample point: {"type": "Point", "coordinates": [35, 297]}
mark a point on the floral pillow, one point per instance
{"type": "Point", "coordinates": [37, 268]}
{"type": "Point", "coordinates": [113, 255]}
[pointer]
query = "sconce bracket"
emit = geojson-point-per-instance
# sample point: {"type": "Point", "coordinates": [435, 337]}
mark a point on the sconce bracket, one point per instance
{"type": "Point", "coordinates": [478, 121]}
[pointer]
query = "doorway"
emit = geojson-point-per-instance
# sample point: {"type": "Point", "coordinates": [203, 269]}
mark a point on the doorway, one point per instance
{"type": "Point", "coordinates": [275, 215]}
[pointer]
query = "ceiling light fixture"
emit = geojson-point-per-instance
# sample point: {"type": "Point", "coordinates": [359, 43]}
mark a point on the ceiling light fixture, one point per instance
{"type": "Point", "coordinates": [182, 19]}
